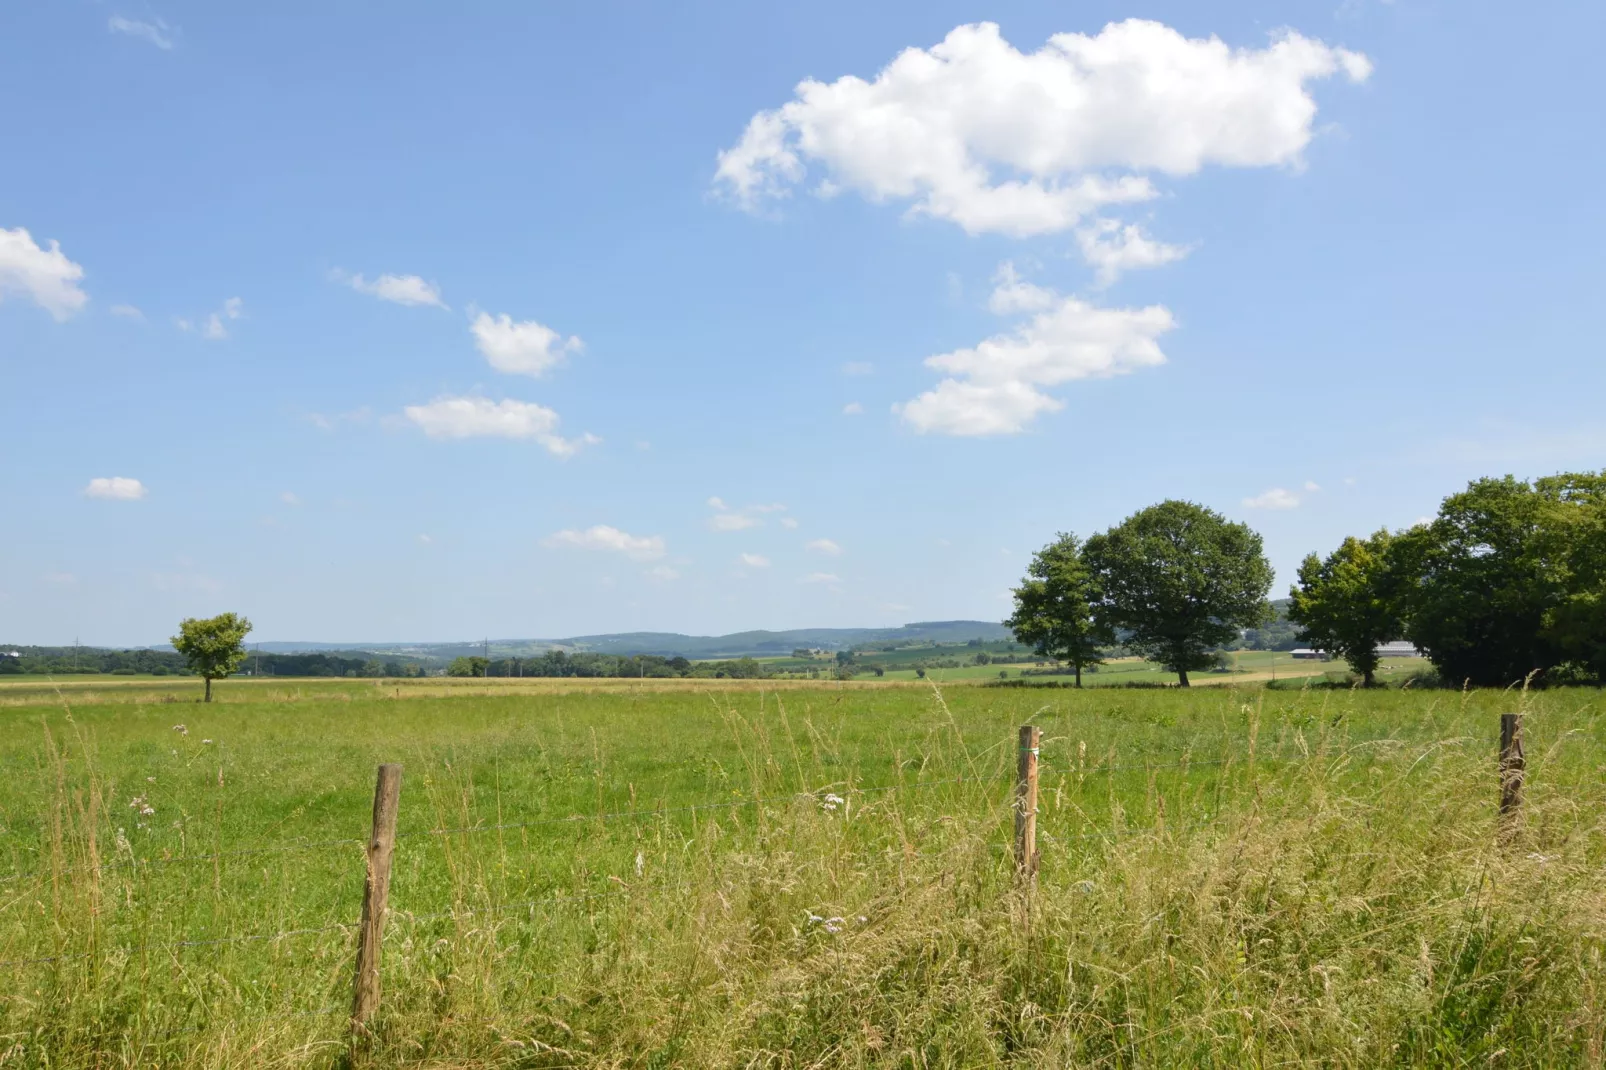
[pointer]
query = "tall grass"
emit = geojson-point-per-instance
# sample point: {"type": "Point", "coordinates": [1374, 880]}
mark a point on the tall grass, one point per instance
{"type": "Point", "coordinates": [809, 878]}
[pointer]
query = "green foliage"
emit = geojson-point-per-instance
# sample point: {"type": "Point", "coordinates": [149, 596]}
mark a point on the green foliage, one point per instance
{"type": "Point", "coordinates": [1054, 608]}
{"type": "Point", "coordinates": [1181, 581]}
{"type": "Point", "coordinates": [214, 647]}
{"type": "Point", "coordinates": [1345, 603]}
{"type": "Point", "coordinates": [471, 666]}
{"type": "Point", "coordinates": [1506, 581]}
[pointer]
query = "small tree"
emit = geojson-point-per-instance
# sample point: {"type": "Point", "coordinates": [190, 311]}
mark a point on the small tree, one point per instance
{"type": "Point", "coordinates": [213, 646]}
{"type": "Point", "coordinates": [1054, 608]}
{"type": "Point", "coordinates": [470, 666]}
{"type": "Point", "coordinates": [1344, 603]}
{"type": "Point", "coordinates": [1181, 581]}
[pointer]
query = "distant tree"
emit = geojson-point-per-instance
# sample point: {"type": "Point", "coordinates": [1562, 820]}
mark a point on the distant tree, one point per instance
{"type": "Point", "coordinates": [1345, 603]}
{"type": "Point", "coordinates": [470, 666]}
{"type": "Point", "coordinates": [1180, 580]}
{"type": "Point", "coordinates": [1055, 608]}
{"type": "Point", "coordinates": [214, 647]}
{"type": "Point", "coordinates": [679, 664]}
{"type": "Point", "coordinates": [1504, 582]}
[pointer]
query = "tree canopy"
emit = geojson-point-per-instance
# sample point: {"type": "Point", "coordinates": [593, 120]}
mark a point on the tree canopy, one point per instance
{"type": "Point", "coordinates": [213, 646]}
{"type": "Point", "coordinates": [1054, 608]}
{"type": "Point", "coordinates": [1180, 580]}
{"type": "Point", "coordinates": [1345, 604]}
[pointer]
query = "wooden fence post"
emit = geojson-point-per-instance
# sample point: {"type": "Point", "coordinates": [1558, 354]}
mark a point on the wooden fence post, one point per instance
{"type": "Point", "coordinates": [375, 896]}
{"type": "Point", "coordinates": [1026, 802]}
{"type": "Point", "coordinates": [1513, 766]}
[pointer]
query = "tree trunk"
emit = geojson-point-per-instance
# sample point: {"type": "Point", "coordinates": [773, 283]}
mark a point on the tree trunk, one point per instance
{"type": "Point", "coordinates": [208, 689]}
{"type": "Point", "coordinates": [1079, 674]}
{"type": "Point", "coordinates": [1367, 679]}
{"type": "Point", "coordinates": [1182, 678]}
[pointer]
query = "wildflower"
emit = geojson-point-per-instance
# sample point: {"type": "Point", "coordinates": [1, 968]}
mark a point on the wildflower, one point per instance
{"type": "Point", "coordinates": [181, 729]}
{"type": "Point", "coordinates": [150, 780]}
{"type": "Point", "coordinates": [833, 925]}
{"type": "Point", "coordinates": [206, 741]}
{"type": "Point", "coordinates": [831, 801]}
{"type": "Point", "coordinates": [641, 863]}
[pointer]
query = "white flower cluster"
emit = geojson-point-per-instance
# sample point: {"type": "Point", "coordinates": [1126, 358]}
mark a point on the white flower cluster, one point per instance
{"type": "Point", "coordinates": [831, 803]}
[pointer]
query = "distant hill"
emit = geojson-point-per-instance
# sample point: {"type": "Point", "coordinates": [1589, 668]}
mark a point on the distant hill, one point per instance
{"type": "Point", "coordinates": [669, 644]}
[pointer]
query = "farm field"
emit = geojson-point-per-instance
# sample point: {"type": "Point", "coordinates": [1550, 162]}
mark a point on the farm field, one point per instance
{"type": "Point", "coordinates": [730, 873]}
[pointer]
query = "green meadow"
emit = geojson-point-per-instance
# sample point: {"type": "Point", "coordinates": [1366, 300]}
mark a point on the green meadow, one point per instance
{"type": "Point", "coordinates": [743, 874]}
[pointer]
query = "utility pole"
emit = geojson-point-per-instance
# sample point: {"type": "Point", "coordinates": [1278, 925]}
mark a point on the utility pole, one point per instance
{"type": "Point", "coordinates": [487, 656]}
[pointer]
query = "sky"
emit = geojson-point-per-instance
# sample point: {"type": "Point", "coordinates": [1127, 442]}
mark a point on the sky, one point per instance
{"type": "Point", "coordinates": [400, 322]}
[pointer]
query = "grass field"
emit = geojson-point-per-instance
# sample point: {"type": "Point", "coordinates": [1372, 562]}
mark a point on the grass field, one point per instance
{"type": "Point", "coordinates": [717, 873]}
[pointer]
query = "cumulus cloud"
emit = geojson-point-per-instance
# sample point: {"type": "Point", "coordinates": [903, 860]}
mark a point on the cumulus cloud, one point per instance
{"type": "Point", "coordinates": [1012, 294]}
{"type": "Point", "coordinates": [853, 408]}
{"type": "Point", "coordinates": [1113, 248]}
{"type": "Point", "coordinates": [115, 488]}
{"type": "Point", "coordinates": [609, 539]}
{"type": "Point", "coordinates": [821, 577]}
{"type": "Point", "coordinates": [788, 522]}
{"type": "Point", "coordinates": [521, 347]}
{"type": "Point", "coordinates": [823, 546]}
{"type": "Point", "coordinates": [290, 497]}
{"type": "Point", "coordinates": [156, 32]}
{"type": "Point", "coordinates": [1275, 498]}
{"type": "Point", "coordinates": [997, 140]}
{"type": "Point", "coordinates": [398, 289]}
{"type": "Point", "coordinates": [127, 312]}
{"type": "Point", "coordinates": [1312, 486]}
{"type": "Point", "coordinates": [992, 388]}
{"type": "Point", "coordinates": [44, 276]}
{"type": "Point", "coordinates": [755, 560]}
{"type": "Point", "coordinates": [480, 417]}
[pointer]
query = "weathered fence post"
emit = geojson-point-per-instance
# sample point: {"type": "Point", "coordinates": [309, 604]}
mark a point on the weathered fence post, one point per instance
{"type": "Point", "coordinates": [1513, 766]}
{"type": "Point", "coordinates": [375, 896]}
{"type": "Point", "coordinates": [1026, 802]}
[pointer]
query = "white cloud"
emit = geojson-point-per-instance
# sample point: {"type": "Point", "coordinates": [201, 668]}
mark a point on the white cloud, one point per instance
{"type": "Point", "coordinates": [823, 546]}
{"type": "Point", "coordinates": [1275, 498]}
{"type": "Point", "coordinates": [991, 389]}
{"type": "Point", "coordinates": [1312, 486]}
{"type": "Point", "coordinates": [853, 408]}
{"type": "Point", "coordinates": [755, 560]}
{"type": "Point", "coordinates": [727, 519]}
{"type": "Point", "coordinates": [289, 497]}
{"type": "Point", "coordinates": [45, 276]}
{"type": "Point", "coordinates": [610, 539]}
{"type": "Point", "coordinates": [424, 540]}
{"type": "Point", "coordinates": [65, 579]}
{"type": "Point", "coordinates": [115, 488]}
{"type": "Point", "coordinates": [1013, 294]}
{"type": "Point", "coordinates": [821, 577]}
{"type": "Point", "coordinates": [399, 289]}
{"type": "Point", "coordinates": [155, 32]}
{"type": "Point", "coordinates": [215, 327]}
{"type": "Point", "coordinates": [662, 573]}
{"type": "Point", "coordinates": [993, 139]}
{"type": "Point", "coordinates": [1113, 248]}
{"type": "Point", "coordinates": [479, 417]}
{"type": "Point", "coordinates": [858, 367]}
{"type": "Point", "coordinates": [520, 348]}
{"type": "Point", "coordinates": [732, 521]}
{"type": "Point", "coordinates": [788, 522]}
{"type": "Point", "coordinates": [328, 422]}
{"type": "Point", "coordinates": [127, 312]}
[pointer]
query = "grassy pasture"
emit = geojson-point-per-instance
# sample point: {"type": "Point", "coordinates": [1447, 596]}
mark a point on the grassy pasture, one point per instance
{"type": "Point", "coordinates": [612, 873]}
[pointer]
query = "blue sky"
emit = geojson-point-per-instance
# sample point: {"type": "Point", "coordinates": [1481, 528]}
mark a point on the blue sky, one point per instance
{"type": "Point", "coordinates": [547, 320]}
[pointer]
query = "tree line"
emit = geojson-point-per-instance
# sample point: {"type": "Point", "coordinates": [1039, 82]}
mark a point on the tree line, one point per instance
{"type": "Point", "coordinates": [560, 663]}
{"type": "Point", "coordinates": [1507, 583]}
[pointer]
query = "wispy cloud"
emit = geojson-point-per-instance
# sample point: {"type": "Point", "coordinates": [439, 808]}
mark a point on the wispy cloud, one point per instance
{"type": "Point", "coordinates": [127, 312]}
{"type": "Point", "coordinates": [726, 518]}
{"type": "Point", "coordinates": [853, 408]}
{"type": "Point", "coordinates": [823, 546]}
{"type": "Point", "coordinates": [155, 32]}
{"type": "Point", "coordinates": [754, 560]}
{"type": "Point", "coordinates": [1275, 498]}
{"type": "Point", "coordinates": [609, 539]}
{"type": "Point", "coordinates": [397, 289]}
{"type": "Point", "coordinates": [858, 367]}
